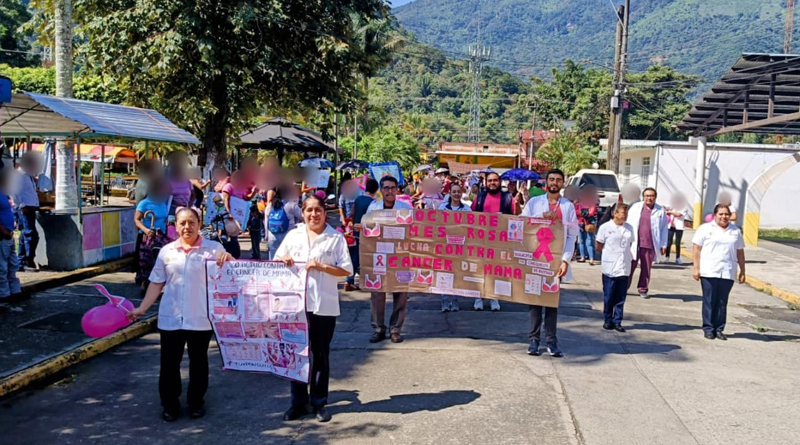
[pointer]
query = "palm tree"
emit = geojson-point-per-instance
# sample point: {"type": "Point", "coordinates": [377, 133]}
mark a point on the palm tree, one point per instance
{"type": "Point", "coordinates": [66, 191]}
{"type": "Point", "coordinates": [567, 151]}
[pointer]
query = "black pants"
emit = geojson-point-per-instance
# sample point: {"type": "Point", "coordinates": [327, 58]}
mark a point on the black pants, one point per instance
{"type": "Point", "coordinates": [169, 381]}
{"type": "Point", "coordinates": [615, 290]}
{"type": "Point", "coordinates": [715, 303]}
{"type": "Point", "coordinates": [550, 323]}
{"type": "Point", "coordinates": [676, 235]}
{"type": "Point", "coordinates": [320, 335]}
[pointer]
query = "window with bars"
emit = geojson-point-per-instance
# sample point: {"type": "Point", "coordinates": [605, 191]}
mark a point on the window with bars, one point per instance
{"type": "Point", "coordinates": [626, 172]}
{"type": "Point", "coordinates": [645, 172]}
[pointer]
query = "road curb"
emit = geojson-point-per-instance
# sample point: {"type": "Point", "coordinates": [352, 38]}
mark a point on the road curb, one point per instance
{"type": "Point", "coordinates": [767, 288]}
{"type": "Point", "coordinates": [63, 278]}
{"type": "Point", "coordinates": [72, 357]}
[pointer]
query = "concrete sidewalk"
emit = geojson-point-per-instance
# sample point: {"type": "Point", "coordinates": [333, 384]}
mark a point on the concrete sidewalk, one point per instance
{"type": "Point", "coordinates": [465, 378]}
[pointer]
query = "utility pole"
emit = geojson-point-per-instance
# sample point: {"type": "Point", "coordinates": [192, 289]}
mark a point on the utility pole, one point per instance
{"type": "Point", "coordinates": [788, 31]}
{"type": "Point", "coordinates": [478, 54]}
{"type": "Point", "coordinates": [617, 101]}
{"type": "Point", "coordinates": [533, 138]}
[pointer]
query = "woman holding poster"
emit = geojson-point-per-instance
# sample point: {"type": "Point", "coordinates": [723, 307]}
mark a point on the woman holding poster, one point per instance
{"type": "Point", "coordinates": [324, 252]}
{"type": "Point", "coordinates": [183, 313]}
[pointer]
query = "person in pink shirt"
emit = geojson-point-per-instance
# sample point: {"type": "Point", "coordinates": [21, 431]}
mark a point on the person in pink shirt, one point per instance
{"type": "Point", "coordinates": [182, 190]}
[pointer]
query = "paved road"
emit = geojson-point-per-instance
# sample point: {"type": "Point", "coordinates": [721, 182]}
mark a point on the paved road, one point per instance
{"type": "Point", "coordinates": [465, 378]}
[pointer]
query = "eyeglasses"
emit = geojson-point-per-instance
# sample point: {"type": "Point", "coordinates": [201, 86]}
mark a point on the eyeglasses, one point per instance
{"type": "Point", "coordinates": [390, 189]}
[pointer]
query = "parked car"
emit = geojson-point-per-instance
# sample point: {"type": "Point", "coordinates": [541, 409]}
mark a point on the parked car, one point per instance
{"type": "Point", "coordinates": [606, 182]}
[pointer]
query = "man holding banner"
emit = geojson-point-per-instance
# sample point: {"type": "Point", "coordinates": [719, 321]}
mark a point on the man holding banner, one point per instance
{"type": "Point", "coordinates": [389, 189]}
{"type": "Point", "coordinates": [552, 206]}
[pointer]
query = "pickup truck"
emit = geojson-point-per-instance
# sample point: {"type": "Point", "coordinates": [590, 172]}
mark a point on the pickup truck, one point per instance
{"type": "Point", "coordinates": [606, 182]}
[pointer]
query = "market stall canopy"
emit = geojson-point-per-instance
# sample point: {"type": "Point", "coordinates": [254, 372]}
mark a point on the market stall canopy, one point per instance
{"type": "Point", "coordinates": [92, 153]}
{"type": "Point", "coordinates": [40, 115]}
{"type": "Point", "coordinates": [282, 134]}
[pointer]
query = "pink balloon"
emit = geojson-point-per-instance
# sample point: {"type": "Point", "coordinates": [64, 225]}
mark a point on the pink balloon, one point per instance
{"type": "Point", "coordinates": [103, 320]}
{"type": "Point", "coordinates": [709, 217]}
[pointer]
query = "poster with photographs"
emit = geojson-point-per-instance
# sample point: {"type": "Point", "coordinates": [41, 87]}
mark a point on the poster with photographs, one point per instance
{"type": "Point", "coordinates": [257, 309]}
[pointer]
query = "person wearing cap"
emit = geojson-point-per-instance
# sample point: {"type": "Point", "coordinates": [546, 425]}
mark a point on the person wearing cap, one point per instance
{"type": "Point", "coordinates": [443, 175]}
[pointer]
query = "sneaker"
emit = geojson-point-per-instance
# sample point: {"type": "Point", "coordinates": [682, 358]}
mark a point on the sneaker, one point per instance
{"type": "Point", "coordinates": [495, 305]}
{"type": "Point", "coordinates": [552, 348]}
{"type": "Point", "coordinates": [665, 260]}
{"type": "Point", "coordinates": [454, 305]}
{"type": "Point", "coordinates": [678, 261]}
{"type": "Point", "coordinates": [644, 295]}
{"type": "Point", "coordinates": [533, 349]}
{"type": "Point", "coordinates": [445, 305]}
{"type": "Point", "coordinates": [322, 414]}
{"type": "Point", "coordinates": [478, 306]}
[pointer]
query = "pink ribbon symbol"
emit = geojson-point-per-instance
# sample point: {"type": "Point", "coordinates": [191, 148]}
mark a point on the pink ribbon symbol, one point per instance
{"type": "Point", "coordinates": [544, 236]}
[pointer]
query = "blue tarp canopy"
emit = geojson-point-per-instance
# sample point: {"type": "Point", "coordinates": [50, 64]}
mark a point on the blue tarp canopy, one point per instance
{"type": "Point", "coordinates": [40, 115]}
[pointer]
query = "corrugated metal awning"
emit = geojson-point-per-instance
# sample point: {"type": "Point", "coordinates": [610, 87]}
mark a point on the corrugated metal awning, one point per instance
{"type": "Point", "coordinates": [40, 115]}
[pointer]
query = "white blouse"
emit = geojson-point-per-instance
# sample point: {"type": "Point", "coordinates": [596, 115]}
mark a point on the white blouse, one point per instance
{"type": "Point", "coordinates": [184, 304]}
{"type": "Point", "coordinates": [718, 258]}
{"type": "Point", "coordinates": [330, 247]}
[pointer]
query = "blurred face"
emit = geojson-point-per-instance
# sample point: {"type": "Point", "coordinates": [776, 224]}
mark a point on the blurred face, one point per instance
{"type": "Point", "coordinates": [455, 193]}
{"type": "Point", "coordinates": [220, 174]}
{"type": "Point", "coordinates": [188, 225]}
{"type": "Point", "coordinates": [475, 188]}
{"type": "Point", "coordinates": [493, 183]}
{"type": "Point", "coordinates": [620, 215]}
{"type": "Point", "coordinates": [649, 198]}
{"type": "Point", "coordinates": [512, 187]}
{"type": "Point", "coordinates": [722, 217]}
{"type": "Point", "coordinates": [555, 183]}
{"type": "Point", "coordinates": [350, 189]}
{"type": "Point", "coordinates": [313, 214]}
{"type": "Point", "coordinates": [389, 191]}
{"type": "Point", "coordinates": [238, 180]}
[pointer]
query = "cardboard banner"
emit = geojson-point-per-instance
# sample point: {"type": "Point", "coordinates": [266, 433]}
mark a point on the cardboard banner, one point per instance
{"type": "Point", "coordinates": [258, 312]}
{"type": "Point", "coordinates": [468, 254]}
{"type": "Point", "coordinates": [240, 209]}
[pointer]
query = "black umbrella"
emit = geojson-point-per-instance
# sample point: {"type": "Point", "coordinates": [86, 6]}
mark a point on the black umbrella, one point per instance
{"type": "Point", "coordinates": [353, 165]}
{"type": "Point", "coordinates": [284, 135]}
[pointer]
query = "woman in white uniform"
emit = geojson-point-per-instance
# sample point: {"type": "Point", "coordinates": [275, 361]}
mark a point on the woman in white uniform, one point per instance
{"type": "Point", "coordinates": [183, 313]}
{"type": "Point", "coordinates": [326, 257]}
{"type": "Point", "coordinates": [718, 247]}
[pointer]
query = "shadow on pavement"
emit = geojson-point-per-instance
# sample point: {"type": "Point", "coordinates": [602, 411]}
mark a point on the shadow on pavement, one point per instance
{"type": "Point", "coordinates": [402, 403]}
{"type": "Point", "coordinates": [663, 327]}
{"type": "Point", "coordinates": [765, 337]}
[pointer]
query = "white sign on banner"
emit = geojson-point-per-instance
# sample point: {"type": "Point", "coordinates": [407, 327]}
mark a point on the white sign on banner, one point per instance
{"type": "Point", "coordinates": [240, 209]}
{"type": "Point", "coordinates": [258, 312]}
{"type": "Point", "coordinates": [317, 177]}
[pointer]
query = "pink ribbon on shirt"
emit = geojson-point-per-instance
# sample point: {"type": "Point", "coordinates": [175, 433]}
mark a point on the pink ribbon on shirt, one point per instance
{"type": "Point", "coordinates": [544, 236]}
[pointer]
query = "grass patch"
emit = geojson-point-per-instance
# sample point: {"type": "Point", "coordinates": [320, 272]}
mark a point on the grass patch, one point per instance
{"type": "Point", "coordinates": [761, 328]}
{"type": "Point", "coordinates": [780, 234]}
{"type": "Point", "coordinates": [794, 306]}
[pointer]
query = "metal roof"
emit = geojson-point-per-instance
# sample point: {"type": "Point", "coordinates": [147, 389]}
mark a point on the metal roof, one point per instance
{"type": "Point", "coordinates": [760, 94]}
{"type": "Point", "coordinates": [40, 115]}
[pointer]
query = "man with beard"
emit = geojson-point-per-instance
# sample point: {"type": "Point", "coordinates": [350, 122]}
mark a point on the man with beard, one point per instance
{"type": "Point", "coordinates": [552, 206]}
{"type": "Point", "coordinates": [389, 190]}
{"type": "Point", "coordinates": [492, 200]}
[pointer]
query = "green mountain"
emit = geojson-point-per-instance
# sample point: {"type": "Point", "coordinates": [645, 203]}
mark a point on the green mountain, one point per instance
{"type": "Point", "coordinates": [528, 37]}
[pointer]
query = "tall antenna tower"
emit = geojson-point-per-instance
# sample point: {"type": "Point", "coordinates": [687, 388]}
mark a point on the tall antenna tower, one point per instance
{"type": "Point", "coordinates": [788, 31]}
{"type": "Point", "coordinates": [478, 54]}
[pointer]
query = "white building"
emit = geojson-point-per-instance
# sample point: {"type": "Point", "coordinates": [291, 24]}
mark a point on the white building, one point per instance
{"type": "Point", "coordinates": [669, 167]}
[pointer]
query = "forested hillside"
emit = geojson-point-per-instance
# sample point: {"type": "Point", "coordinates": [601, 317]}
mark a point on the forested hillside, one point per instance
{"type": "Point", "coordinates": [528, 37]}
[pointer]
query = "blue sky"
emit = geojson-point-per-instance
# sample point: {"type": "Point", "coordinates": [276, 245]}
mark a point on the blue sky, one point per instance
{"type": "Point", "coordinates": [396, 3]}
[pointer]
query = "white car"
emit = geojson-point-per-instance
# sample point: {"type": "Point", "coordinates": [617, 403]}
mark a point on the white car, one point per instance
{"type": "Point", "coordinates": [606, 182]}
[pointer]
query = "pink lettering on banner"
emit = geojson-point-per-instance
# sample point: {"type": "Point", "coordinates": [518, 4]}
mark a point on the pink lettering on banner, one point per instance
{"type": "Point", "coordinates": [393, 261]}
{"type": "Point", "coordinates": [413, 231]}
{"type": "Point", "coordinates": [523, 255]}
{"type": "Point", "coordinates": [502, 271]}
{"type": "Point", "coordinates": [547, 273]}
{"type": "Point", "coordinates": [459, 240]}
{"type": "Point", "coordinates": [540, 221]}
{"type": "Point", "coordinates": [538, 264]}
{"type": "Point", "coordinates": [545, 236]}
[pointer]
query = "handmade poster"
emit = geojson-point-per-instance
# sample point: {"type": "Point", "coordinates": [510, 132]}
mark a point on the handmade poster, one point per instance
{"type": "Point", "coordinates": [512, 258]}
{"type": "Point", "coordinates": [317, 177]}
{"type": "Point", "coordinates": [258, 312]}
{"type": "Point", "coordinates": [240, 209]}
{"type": "Point", "coordinates": [390, 168]}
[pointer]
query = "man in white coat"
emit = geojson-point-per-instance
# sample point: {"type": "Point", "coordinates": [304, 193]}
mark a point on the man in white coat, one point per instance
{"type": "Point", "coordinates": [552, 206]}
{"type": "Point", "coordinates": [649, 222]}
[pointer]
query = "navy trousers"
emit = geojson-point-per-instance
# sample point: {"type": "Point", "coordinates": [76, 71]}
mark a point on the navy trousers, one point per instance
{"type": "Point", "coordinates": [614, 292]}
{"type": "Point", "coordinates": [356, 260]}
{"type": "Point", "coordinates": [715, 303]}
{"type": "Point", "coordinates": [30, 236]}
{"type": "Point", "coordinates": [320, 335]}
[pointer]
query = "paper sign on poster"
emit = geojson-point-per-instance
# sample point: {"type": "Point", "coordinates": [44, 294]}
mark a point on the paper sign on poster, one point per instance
{"type": "Point", "coordinates": [240, 209]}
{"type": "Point", "coordinates": [257, 310]}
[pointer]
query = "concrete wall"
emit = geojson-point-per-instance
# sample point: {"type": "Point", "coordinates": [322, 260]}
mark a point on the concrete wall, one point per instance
{"type": "Point", "coordinates": [729, 167]}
